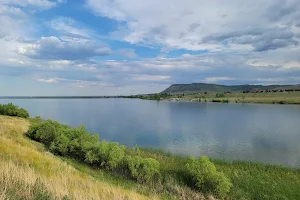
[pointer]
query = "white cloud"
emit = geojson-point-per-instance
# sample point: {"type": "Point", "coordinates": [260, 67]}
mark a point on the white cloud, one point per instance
{"type": "Point", "coordinates": [176, 24]}
{"type": "Point", "coordinates": [127, 53]}
{"type": "Point", "coordinates": [217, 79]}
{"type": "Point", "coordinates": [38, 4]}
{"type": "Point", "coordinates": [68, 26]}
{"type": "Point", "coordinates": [50, 80]}
{"type": "Point", "coordinates": [145, 77]}
{"type": "Point", "coordinates": [55, 48]}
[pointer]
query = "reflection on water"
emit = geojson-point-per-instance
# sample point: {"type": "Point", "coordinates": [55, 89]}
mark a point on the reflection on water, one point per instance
{"type": "Point", "coordinates": [255, 132]}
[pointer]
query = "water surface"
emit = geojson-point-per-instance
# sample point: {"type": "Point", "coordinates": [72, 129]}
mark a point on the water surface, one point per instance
{"type": "Point", "coordinates": [253, 132]}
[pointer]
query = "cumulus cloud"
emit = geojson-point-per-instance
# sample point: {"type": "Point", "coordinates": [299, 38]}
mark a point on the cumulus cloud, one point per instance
{"type": "Point", "coordinates": [37, 4]}
{"type": "Point", "coordinates": [261, 39]}
{"type": "Point", "coordinates": [57, 49]}
{"type": "Point", "coordinates": [127, 53]}
{"type": "Point", "coordinates": [146, 77]}
{"type": "Point", "coordinates": [69, 27]}
{"type": "Point", "coordinates": [50, 80]}
{"type": "Point", "coordinates": [217, 79]}
{"type": "Point", "coordinates": [199, 25]}
{"type": "Point", "coordinates": [244, 42]}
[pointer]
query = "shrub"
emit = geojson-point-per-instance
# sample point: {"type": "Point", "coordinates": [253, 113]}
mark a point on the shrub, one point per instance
{"type": "Point", "coordinates": [80, 142]}
{"type": "Point", "coordinates": [142, 169]}
{"type": "Point", "coordinates": [206, 178]}
{"type": "Point", "coordinates": [31, 133]}
{"type": "Point", "coordinates": [216, 100]}
{"type": "Point", "coordinates": [84, 147]}
{"type": "Point", "coordinates": [220, 95]}
{"type": "Point", "coordinates": [91, 156]}
{"type": "Point", "coordinates": [60, 145]}
{"type": "Point", "coordinates": [13, 110]}
{"type": "Point", "coordinates": [110, 154]}
{"type": "Point", "coordinates": [47, 132]}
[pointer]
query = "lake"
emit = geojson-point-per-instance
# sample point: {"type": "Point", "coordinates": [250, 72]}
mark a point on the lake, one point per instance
{"type": "Point", "coordinates": [253, 132]}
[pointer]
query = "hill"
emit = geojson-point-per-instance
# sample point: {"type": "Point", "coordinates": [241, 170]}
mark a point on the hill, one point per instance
{"type": "Point", "coordinates": [214, 88]}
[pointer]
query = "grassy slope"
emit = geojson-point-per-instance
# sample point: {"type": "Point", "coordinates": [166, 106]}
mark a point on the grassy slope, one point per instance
{"type": "Point", "coordinates": [27, 171]}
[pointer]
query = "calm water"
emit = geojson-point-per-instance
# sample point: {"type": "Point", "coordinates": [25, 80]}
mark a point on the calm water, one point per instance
{"type": "Point", "coordinates": [255, 132]}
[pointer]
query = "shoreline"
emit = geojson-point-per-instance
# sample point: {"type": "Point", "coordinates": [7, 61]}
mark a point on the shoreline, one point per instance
{"type": "Point", "coordinates": [250, 180]}
{"type": "Point", "coordinates": [262, 98]}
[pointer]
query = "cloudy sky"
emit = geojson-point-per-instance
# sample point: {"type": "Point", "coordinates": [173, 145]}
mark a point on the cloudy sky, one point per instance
{"type": "Point", "coordinates": [111, 47]}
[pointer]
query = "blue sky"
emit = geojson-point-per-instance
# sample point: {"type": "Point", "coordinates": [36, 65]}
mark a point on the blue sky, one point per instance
{"type": "Point", "coordinates": [104, 47]}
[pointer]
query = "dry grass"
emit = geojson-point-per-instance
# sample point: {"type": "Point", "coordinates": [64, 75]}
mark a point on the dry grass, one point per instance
{"type": "Point", "coordinates": [25, 164]}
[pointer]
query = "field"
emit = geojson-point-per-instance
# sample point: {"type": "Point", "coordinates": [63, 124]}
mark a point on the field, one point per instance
{"type": "Point", "coordinates": [28, 171]}
{"type": "Point", "coordinates": [268, 98]}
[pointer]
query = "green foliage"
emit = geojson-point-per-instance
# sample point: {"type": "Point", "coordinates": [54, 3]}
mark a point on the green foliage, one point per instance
{"type": "Point", "coordinates": [13, 110]}
{"type": "Point", "coordinates": [207, 178]}
{"type": "Point", "coordinates": [142, 169]}
{"type": "Point", "coordinates": [61, 145]}
{"type": "Point", "coordinates": [111, 154]}
{"type": "Point", "coordinates": [220, 95]}
{"type": "Point", "coordinates": [77, 143]}
{"type": "Point", "coordinates": [47, 132]}
{"type": "Point", "coordinates": [216, 100]}
{"type": "Point", "coordinates": [157, 96]}
{"type": "Point", "coordinates": [107, 154]}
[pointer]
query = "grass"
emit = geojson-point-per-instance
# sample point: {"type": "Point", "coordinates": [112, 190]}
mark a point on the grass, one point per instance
{"type": "Point", "coordinates": [250, 180]}
{"type": "Point", "coordinates": [268, 98]}
{"type": "Point", "coordinates": [27, 171]}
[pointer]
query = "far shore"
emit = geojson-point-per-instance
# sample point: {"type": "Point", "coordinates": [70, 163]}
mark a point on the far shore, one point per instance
{"type": "Point", "coordinates": [262, 97]}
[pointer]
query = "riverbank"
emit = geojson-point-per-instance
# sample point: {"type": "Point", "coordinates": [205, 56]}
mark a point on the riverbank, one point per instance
{"type": "Point", "coordinates": [29, 171]}
{"type": "Point", "coordinates": [60, 176]}
{"type": "Point", "coordinates": [261, 97]}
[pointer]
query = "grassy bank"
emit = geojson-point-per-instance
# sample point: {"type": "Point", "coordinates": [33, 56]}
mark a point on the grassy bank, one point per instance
{"type": "Point", "coordinates": [263, 97]}
{"type": "Point", "coordinates": [29, 171]}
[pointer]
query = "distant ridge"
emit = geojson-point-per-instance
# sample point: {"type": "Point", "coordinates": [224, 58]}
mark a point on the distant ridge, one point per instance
{"type": "Point", "coordinates": [214, 88]}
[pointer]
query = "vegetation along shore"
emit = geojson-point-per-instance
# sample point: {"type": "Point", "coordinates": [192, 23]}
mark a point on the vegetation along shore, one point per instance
{"type": "Point", "coordinates": [201, 92]}
{"type": "Point", "coordinates": [43, 159]}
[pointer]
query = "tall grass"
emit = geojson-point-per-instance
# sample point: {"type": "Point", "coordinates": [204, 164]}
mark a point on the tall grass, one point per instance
{"type": "Point", "coordinates": [27, 171]}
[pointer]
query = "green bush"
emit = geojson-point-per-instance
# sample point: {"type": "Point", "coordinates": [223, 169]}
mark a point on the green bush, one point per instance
{"type": "Point", "coordinates": [206, 178]}
{"type": "Point", "coordinates": [13, 110]}
{"type": "Point", "coordinates": [220, 95]}
{"type": "Point", "coordinates": [111, 154]}
{"type": "Point", "coordinates": [47, 132]}
{"type": "Point", "coordinates": [60, 145]}
{"type": "Point", "coordinates": [142, 169]}
{"type": "Point", "coordinates": [105, 154]}
{"type": "Point", "coordinates": [77, 143]}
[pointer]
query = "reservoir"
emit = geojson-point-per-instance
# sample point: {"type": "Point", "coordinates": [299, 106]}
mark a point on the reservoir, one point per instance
{"type": "Point", "coordinates": [264, 133]}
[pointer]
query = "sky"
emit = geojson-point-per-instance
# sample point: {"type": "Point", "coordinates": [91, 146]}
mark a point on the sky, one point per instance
{"type": "Point", "coordinates": [123, 47]}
